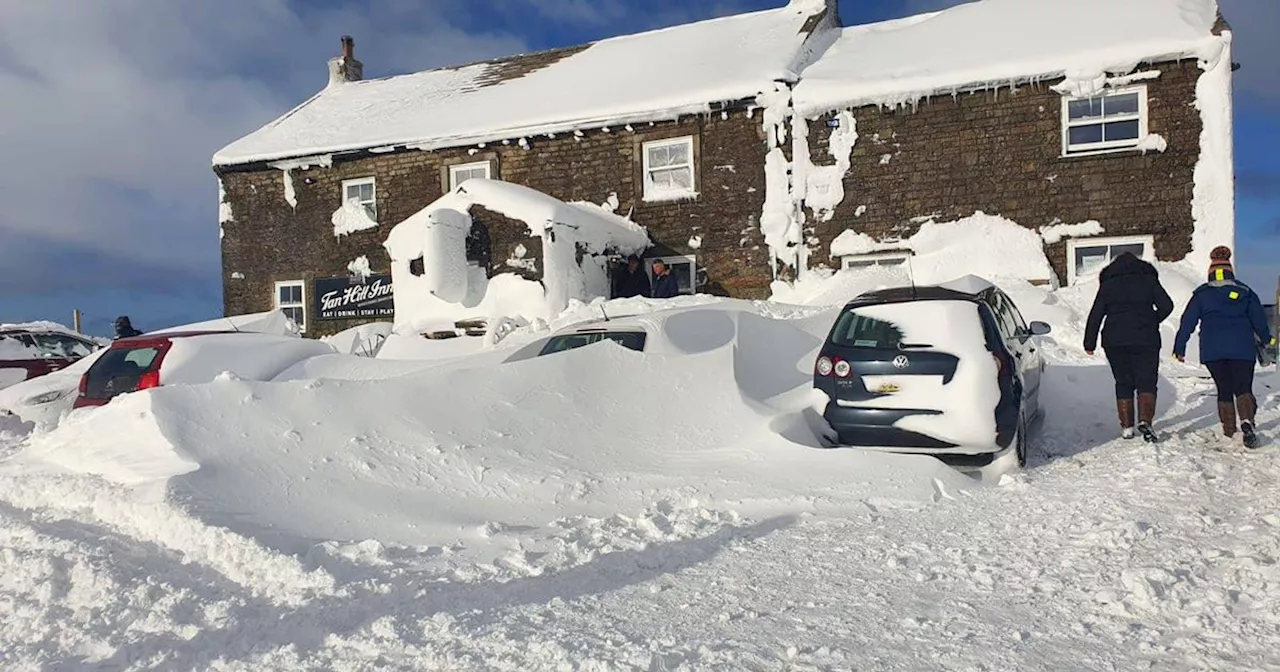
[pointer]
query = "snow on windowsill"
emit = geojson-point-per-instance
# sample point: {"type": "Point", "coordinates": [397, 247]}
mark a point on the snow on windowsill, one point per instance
{"type": "Point", "coordinates": [1129, 149]}
{"type": "Point", "coordinates": [670, 196]}
{"type": "Point", "coordinates": [1055, 233]}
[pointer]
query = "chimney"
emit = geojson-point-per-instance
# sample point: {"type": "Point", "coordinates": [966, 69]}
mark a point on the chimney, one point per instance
{"type": "Point", "coordinates": [346, 68]}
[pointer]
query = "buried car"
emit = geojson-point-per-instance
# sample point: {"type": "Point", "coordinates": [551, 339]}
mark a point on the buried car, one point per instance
{"type": "Point", "coordinates": [32, 351]}
{"type": "Point", "coordinates": [951, 370]}
{"type": "Point", "coordinates": [152, 360]}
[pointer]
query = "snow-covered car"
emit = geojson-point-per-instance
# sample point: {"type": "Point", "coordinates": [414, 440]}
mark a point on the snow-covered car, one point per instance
{"type": "Point", "coordinates": [31, 351]}
{"type": "Point", "coordinates": [675, 331]}
{"type": "Point", "coordinates": [187, 358]}
{"type": "Point", "coordinates": [950, 370]}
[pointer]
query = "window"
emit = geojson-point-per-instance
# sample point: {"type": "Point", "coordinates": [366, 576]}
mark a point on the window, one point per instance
{"type": "Point", "coordinates": [683, 269]}
{"type": "Point", "coordinates": [467, 171]}
{"type": "Point", "coordinates": [1010, 320]}
{"type": "Point", "coordinates": [291, 299]}
{"type": "Point", "coordinates": [668, 170]}
{"type": "Point", "coordinates": [361, 192]}
{"type": "Point", "coordinates": [1110, 121]}
{"type": "Point", "coordinates": [860, 331]}
{"type": "Point", "coordinates": [631, 340]}
{"type": "Point", "coordinates": [1085, 257]}
{"type": "Point", "coordinates": [59, 346]}
{"type": "Point", "coordinates": [879, 259]}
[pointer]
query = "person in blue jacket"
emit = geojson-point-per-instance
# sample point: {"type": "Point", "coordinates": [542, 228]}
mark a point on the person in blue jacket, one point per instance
{"type": "Point", "coordinates": [1232, 324]}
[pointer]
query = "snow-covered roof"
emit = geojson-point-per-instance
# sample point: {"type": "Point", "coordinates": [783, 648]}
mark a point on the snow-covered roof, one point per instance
{"type": "Point", "coordinates": [643, 77]}
{"type": "Point", "coordinates": [995, 42]}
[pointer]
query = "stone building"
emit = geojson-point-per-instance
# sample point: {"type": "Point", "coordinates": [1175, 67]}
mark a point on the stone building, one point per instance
{"type": "Point", "coordinates": [746, 145]}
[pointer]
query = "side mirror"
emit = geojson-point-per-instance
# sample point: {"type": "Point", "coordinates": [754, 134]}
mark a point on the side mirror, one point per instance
{"type": "Point", "coordinates": [1040, 328]}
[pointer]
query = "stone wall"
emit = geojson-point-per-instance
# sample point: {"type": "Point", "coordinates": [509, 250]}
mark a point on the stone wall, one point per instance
{"type": "Point", "coordinates": [270, 241]}
{"type": "Point", "coordinates": [1001, 152]}
{"type": "Point", "coordinates": [998, 151]}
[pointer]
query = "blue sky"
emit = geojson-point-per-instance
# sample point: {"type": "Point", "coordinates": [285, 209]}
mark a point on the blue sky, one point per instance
{"type": "Point", "coordinates": [110, 114]}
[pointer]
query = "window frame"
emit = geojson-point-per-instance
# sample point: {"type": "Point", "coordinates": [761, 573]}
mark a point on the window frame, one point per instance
{"type": "Point", "coordinates": [301, 304]}
{"type": "Point", "coordinates": [875, 257]}
{"type": "Point", "coordinates": [460, 167]}
{"type": "Point", "coordinates": [649, 194]}
{"type": "Point", "coordinates": [360, 182]}
{"type": "Point", "coordinates": [670, 260]}
{"type": "Point", "coordinates": [1086, 149]}
{"type": "Point", "coordinates": [1147, 241]}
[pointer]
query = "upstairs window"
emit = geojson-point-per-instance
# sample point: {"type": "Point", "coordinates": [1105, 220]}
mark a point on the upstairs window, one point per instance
{"type": "Point", "coordinates": [467, 171]}
{"type": "Point", "coordinates": [291, 299]}
{"type": "Point", "coordinates": [362, 192]}
{"type": "Point", "coordinates": [1114, 120]}
{"type": "Point", "coordinates": [668, 170]}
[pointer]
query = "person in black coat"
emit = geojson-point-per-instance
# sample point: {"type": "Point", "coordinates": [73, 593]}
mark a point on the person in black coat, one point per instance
{"type": "Point", "coordinates": [124, 328]}
{"type": "Point", "coordinates": [1129, 307]}
{"type": "Point", "coordinates": [664, 284]}
{"type": "Point", "coordinates": [631, 280]}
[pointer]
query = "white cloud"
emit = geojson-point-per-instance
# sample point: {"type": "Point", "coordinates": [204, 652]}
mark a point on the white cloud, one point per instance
{"type": "Point", "coordinates": [111, 111]}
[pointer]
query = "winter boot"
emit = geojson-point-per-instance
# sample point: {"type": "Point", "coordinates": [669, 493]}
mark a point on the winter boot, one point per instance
{"type": "Point", "coordinates": [1124, 410]}
{"type": "Point", "coordinates": [1146, 415]}
{"type": "Point", "coordinates": [1247, 404]}
{"type": "Point", "coordinates": [1227, 416]}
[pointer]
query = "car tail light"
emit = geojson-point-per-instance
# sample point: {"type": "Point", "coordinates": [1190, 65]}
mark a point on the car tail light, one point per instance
{"type": "Point", "coordinates": [823, 367]}
{"type": "Point", "coordinates": [84, 383]}
{"type": "Point", "coordinates": [149, 380]}
{"type": "Point", "coordinates": [843, 368]}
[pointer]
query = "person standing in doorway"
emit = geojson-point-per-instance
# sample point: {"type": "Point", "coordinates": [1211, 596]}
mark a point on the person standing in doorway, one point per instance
{"type": "Point", "coordinates": [1129, 307]}
{"type": "Point", "coordinates": [631, 280]}
{"type": "Point", "coordinates": [664, 284]}
{"type": "Point", "coordinates": [1232, 325]}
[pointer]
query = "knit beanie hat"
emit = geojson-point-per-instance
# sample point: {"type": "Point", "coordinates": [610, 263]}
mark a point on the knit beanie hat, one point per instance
{"type": "Point", "coordinates": [1220, 264]}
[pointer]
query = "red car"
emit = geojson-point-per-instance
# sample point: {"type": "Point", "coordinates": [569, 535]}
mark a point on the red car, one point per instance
{"type": "Point", "coordinates": [31, 352]}
{"type": "Point", "coordinates": [189, 357]}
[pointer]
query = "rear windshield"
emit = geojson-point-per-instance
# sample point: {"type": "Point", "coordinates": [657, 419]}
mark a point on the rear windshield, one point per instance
{"type": "Point", "coordinates": [910, 324]}
{"type": "Point", "coordinates": [117, 371]}
{"type": "Point", "coordinates": [854, 330]}
{"type": "Point", "coordinates": [632, 340]}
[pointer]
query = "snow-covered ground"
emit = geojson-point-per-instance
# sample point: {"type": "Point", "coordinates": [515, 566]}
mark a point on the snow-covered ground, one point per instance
{"type": "Point", "coordinates": [605, 509]}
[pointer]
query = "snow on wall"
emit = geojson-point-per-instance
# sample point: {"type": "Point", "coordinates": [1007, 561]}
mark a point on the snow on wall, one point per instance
{"type": "Point", "coordinates": [360, 267]}
{"type": "Point", "coordinates": [225, 215]}
{"type": "Point", "coordinates": [791, 186]}
{"type": "Point", "coordinates": [351, 217]}
{"type": "Point", "coordinates": [1054, 233]}
{"type": "Point", "coordinates": [575, 239]}
{"type": "Point", "coordinates": [290, 196]}
{"type": "Point", "coordinates": [1153, 142]}
{"type": "Point", "coordinates": [1213, 196]}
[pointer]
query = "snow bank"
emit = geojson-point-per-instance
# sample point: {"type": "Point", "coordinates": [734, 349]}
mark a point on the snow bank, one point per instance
{"type": "Point", "coordinates": [364, 340]}
{"type": "Point", "coordinates": [271, 322]}
{"type": "Point", "coordinates": [901, 62]}
{"type": "Point", "coordinates": [447, 456]}
{"type": "Point", "coordinates": [986, 245]}
{"type": "Point", "coordinates": [575, 238]}
{"type": "Point", "coordinates": [656, 75]}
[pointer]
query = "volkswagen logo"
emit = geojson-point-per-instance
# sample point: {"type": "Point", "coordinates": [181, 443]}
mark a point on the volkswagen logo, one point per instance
{"type": "Point", "coordinates": [901, 362]}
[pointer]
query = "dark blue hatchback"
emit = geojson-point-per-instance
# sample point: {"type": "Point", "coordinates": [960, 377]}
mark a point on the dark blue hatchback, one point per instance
{"type": "Point", "coordinates": [933, 370]}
